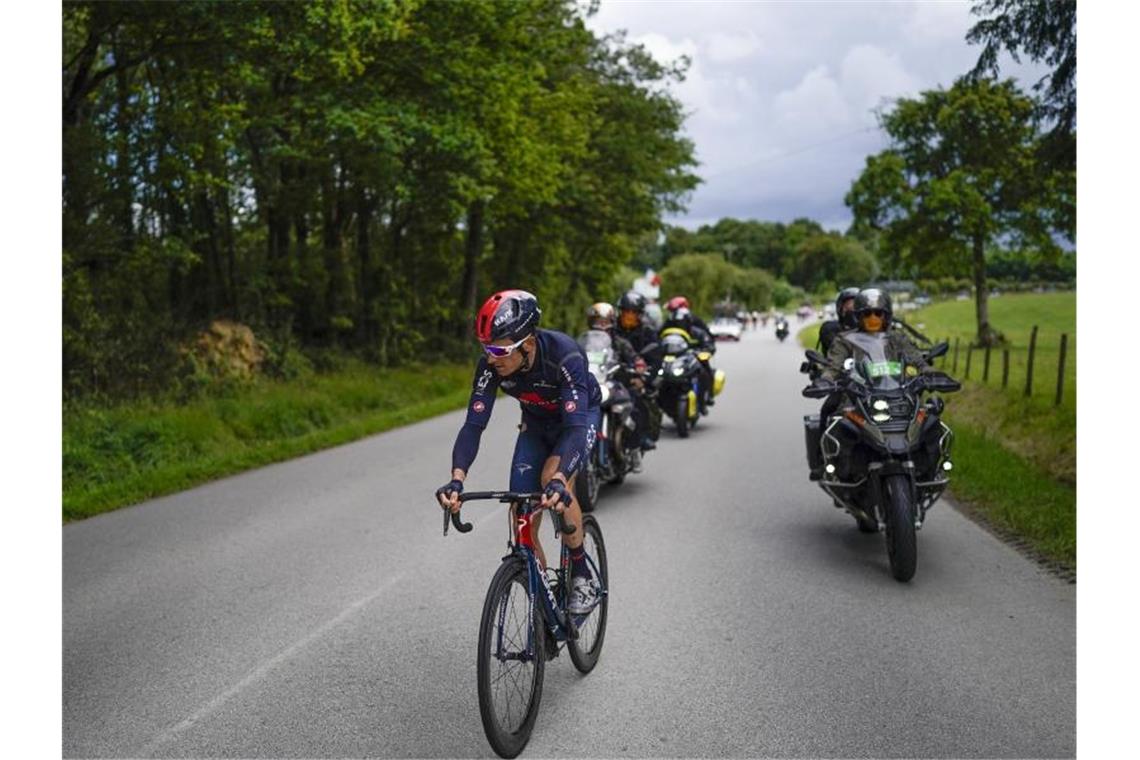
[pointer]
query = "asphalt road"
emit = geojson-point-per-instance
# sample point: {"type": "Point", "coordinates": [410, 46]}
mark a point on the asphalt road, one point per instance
{"type": "Point", "coordinates": [313, 609]}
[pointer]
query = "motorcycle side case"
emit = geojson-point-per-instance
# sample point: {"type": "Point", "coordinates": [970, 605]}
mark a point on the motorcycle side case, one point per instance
{"type": "Point", "coordinates": [692, 404]}
{"type": "Point", "coordinates": [812, 435]}
{"type": "Point", "coordinates": [718, 382]}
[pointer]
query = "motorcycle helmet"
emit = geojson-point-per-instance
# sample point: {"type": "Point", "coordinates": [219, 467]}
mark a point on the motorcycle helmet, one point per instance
{"type": "Point", "coordinates": [600, 316]}
{"type": "Point", "coordinates": [873, 310]}
{"type": "Point", "coordinates": [631, 306]}
{"type": "Point", "coordinates": [846, 318]}
{"type": "Point", "coordinates": [683, 317]}
{"type": "Point", "coordinates": [510, 314]}
{"type": "Point", "coordinates": [677, 302]}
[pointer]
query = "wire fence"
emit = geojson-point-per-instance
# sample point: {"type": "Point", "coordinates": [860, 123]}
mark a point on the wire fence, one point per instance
{"type": "Point", "coordinates": [1043, 368]}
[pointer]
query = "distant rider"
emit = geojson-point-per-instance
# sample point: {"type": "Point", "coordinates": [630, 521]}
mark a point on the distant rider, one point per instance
{"type": "Point", "coordinates": [561, 413]}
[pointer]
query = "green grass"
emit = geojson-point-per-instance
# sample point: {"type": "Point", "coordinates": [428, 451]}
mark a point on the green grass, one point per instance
{"type": "Point", "coordinates": [117, 456]}
{"type": "Point", "coordinates": [1015, 456]}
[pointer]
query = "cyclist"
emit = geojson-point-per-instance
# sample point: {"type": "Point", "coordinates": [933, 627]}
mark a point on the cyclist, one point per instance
{"type": "Point", "coordinates": [561, 412]}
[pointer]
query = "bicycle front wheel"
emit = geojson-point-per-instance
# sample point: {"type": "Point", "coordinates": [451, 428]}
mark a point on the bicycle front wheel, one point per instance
{"type": "Point", "coordinates": [584, 651]}
{"type": "Point", "coordinates": [511, 660]}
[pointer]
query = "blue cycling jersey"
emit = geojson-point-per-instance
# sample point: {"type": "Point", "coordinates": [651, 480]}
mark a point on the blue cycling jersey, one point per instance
{"type": "Point", "coordinates": [557, 391]}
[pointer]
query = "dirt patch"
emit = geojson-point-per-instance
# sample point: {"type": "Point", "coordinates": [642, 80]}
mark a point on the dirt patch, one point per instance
{"type": "Point", "coordinates": [227, 350]}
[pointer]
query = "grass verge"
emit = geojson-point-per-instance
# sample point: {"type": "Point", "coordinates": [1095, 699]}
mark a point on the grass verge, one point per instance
{"type": "Point", "coordinates": [117, 456]}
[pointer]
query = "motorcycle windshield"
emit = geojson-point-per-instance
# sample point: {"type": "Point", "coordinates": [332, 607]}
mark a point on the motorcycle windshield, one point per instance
{"type": "Point", "coordinates": [674, 344]}
{"type": "Point", "coordinates": [875, 363]}
{"type": "Point", "coordinates": [599, 352]}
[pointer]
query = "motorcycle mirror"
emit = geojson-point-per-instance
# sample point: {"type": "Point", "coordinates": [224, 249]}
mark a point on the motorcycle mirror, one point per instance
{"type": "Point", "coordinates": [849, 364]}
{"type": "Point", "coordinates": [815, 356]}
{"type": "Point", "coordinates": [939, 349]}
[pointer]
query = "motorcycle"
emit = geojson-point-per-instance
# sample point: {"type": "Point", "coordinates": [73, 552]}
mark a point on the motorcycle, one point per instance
{"type": "Point", "coordinates": [781, 329]}
{"type": "Point", "coordinates": [884, 455]}
{"type": "Point", "coordinates": [680, 386]}
{"type": "Point", "coordinates": [616, 451]}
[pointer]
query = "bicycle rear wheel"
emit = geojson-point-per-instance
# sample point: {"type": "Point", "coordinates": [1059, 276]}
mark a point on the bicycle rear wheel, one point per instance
{"type": "Point", "coordinates": [511, 661]}
{"type": "Point", "coordinates": [584, 651]}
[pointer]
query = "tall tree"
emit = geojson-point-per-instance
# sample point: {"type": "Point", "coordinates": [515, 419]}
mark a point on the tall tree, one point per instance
{"type": "Point", "coordinates": [1045, 31]}
{"type": "Point", "coordinates": [962, 171]}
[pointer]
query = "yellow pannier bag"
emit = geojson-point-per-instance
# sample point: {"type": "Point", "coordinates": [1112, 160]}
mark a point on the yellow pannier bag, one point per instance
{"type": "Point", "coordinates": [718, 382]}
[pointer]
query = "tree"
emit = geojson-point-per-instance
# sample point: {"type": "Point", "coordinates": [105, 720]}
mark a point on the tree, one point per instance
{"type": "Point", "coordinates": [962, 172]}
{"type": "Point", "coordinates": [1046, 30]}
{"type": "Point", "coordinates": [831, 258]}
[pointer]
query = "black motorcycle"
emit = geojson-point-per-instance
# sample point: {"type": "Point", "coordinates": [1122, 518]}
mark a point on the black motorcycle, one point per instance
{"type": "Point", "coordinates": [884, 454]}
{"type": "Point", "coordinates": [679, 386]}
{"type": "Point", "coordinates": [616, 451]}
{"type": "Point", "coordinates": [781, 329]}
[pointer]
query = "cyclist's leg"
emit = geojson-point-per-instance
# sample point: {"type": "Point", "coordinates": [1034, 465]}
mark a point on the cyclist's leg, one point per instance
{"type": "Point", "coordinates": [573, 513]}
{"type": "Point", "coordinates": [531, 452]}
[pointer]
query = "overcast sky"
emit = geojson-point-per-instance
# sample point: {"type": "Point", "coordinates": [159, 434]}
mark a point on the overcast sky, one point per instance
{"type": "Point", "coordinates": [780, 95]}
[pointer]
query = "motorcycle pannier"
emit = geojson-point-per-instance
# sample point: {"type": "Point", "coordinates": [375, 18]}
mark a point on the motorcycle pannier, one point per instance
{"type": "Point", "coordinates": [811, 441]}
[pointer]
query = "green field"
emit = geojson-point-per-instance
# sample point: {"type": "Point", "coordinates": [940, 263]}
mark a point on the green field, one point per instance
{"type": "Point", "coordinates": [117, 456]}
{"type": "Point", "coordinates": [1015, 455]}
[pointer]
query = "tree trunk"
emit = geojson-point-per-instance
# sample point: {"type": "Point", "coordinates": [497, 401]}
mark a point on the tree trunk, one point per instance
{"type": "Point", "coordinates": [471, 251]}
{"type": "Point", "coordinates": [987, 336]}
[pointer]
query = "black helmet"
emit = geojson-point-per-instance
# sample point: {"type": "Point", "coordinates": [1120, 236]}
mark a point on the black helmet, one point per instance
{"type": "Point", "coordinates": [846, 319]}
{"type": "Point", "coordinates": [683, 317]}
{"type": "Point", "coordinates": [632, 300]}
{"type": "Point", "coordinates": [872, 299]}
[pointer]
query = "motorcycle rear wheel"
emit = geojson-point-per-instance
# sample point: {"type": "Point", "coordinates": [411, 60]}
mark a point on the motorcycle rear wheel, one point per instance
{"type": "Point", "coordinates": [902, 544]}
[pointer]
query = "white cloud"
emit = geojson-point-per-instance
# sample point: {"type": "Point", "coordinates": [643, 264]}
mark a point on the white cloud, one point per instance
{"type": "Point", "coordinates": [815, 107]}
{"type": "Point", "coordinates": [869, 76]}
{"type": "Point", "coordinates": [726, 48]}
{"type": "Point", "coordinates": [941, 21]}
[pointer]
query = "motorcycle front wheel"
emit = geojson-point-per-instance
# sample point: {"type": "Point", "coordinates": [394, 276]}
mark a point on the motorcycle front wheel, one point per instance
{"type": "Point", "coordinates": [682, 416]}
{"type": "Point", "coordinates": [589, 482]}
{"type": "Point", "coordinates": [902, 544]}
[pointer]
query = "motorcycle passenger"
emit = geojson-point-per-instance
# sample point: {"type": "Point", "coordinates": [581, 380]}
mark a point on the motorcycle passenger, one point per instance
{"type": "Point", "coordinates": [844, 318]}
{"type": "Point", "coordinates": [561, 413]}
{"type": "Point", "coordinates": [631, 326]}
{"type": "Point", "coordinates": [600, 316]}
{"type": "Point", "coordinates": [682, 319]}
{"type": "Point", "coordinates": [680, 302]}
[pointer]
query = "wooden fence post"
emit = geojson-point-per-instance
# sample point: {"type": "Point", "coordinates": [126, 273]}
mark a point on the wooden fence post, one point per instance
{"type": "Point", "coordinates": [1061, 368]}
{"type": "Point", "coordinates": [955, 370]}
{"type": "Point", "coordinates": [969, 355]}
{"type": "Point", "coordinates": [986, 366]}
{"type": "Point", "coordinates": [1004, 368]}
{"type": "Point", "coordinates": [1029, 367]}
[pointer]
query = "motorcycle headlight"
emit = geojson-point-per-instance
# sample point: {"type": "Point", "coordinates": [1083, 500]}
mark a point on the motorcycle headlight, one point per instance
{"type": "Point", "coordinates": [880, 417]}
{"type": "Point", "coordinates": [678, 371]}
{"type": "Point", "coordinates": [880, 405]}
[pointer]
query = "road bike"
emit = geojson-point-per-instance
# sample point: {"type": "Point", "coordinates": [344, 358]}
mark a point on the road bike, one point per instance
{"type": "Point", "coordinates": [526, 620]}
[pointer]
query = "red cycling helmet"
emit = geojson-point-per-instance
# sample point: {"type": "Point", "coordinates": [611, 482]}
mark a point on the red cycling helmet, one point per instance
{"type": "Point", "coordinates": [507, 314]}
{"type": "Point", "coordinates": [677, 302]}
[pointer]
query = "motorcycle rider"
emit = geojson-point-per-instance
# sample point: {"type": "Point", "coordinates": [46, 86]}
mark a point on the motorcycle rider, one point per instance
{"type": "Point", "coordinates": [600, 316]}
{"type": "Point", "coordinates": [844, 319]}
{"type": "Point", "coordinates": [680, 302]}
{"type": "Point", "coordinates": [631, 326]}
{"type": "Point", "coordinates": [872, 312]}
{"type": "Point", "coordinates": [683, 319]}
{"type": "Point", "coordinates": [561, 413]}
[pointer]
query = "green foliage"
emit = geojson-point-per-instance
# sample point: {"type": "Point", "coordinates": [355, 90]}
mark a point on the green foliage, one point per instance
{"type": "Point", "coordinates": [706, 279]}
{"type": "Point", "coordinates": [347, 176]}
{"type": "Point", "coordinates": [962, 172]}
{"type": "Point", "coordinates": [117, 455]}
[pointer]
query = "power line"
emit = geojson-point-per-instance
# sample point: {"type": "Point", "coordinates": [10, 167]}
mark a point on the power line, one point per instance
{"type": "Point", "coordinates": [797, 151]}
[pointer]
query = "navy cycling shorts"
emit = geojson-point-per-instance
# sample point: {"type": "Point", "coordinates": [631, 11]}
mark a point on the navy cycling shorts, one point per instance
{"type": "Point", "coordinates": [536, 442]}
